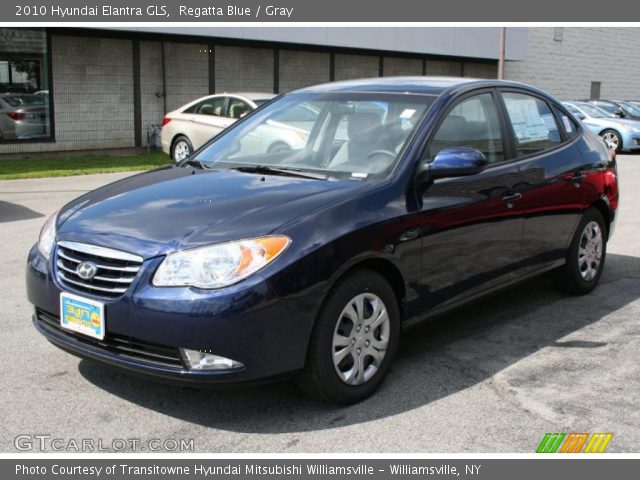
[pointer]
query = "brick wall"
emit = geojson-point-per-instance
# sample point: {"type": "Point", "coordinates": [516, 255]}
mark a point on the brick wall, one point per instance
{"type": "Point", "coordinates": [396, 66]}
{"type": "Point", "coordinates": [187, 70]}
{"type": "Point", "coordinates": [299, 69]}
{"type": "Point", "coordinates": [93, 82]}
{"type": "Point", "coordinates": [243, 69]}
{"type": "Point", "coordinates": [481, 69]}
{"type": "Point", "coordinates": [151, 86]}
{"type": "Point", "coordinates": [445, 68]}
{"type": "Point", "coordinates": [356, 66]}
{"type": "Point", "coordinates": [566, 68]}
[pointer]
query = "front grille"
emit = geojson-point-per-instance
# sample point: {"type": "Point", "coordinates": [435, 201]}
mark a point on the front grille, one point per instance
{"type": "Point", "coordinates": [115, 269]}
{"type": "Point", "coordinates": [120, 345]}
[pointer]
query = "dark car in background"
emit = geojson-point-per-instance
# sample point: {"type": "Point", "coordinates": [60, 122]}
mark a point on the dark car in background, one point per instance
{"type": "Point", "coordinates": [619, 109]}
{"type": "Point", "coordinates": [23, 116]}
{"type": "Point", "coordinates": [409, 197]}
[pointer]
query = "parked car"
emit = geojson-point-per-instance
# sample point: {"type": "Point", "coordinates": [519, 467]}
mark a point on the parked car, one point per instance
{"type": "Point", "coordinates": [619, 109]}
{"type": "Point", "coordinates": [632, 109]}
{"type": "Point", "coordinates": [618, 133]}
{"type": "Point", "coordinates": [23, 116]}
{"type": "Point", "coordinates": [237, 266]}
{"type": "Point", "coordinates": [190, 126]}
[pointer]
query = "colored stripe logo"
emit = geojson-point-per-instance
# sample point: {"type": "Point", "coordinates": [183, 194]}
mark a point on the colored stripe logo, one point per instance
{"type": "Point", "coordinates": [574, 443]}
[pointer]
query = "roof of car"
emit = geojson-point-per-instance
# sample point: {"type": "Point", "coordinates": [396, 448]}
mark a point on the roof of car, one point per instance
{"type": "Point", "coordinates": [419, 85]}
{"type": "Point", "coordinates": [251, 95]}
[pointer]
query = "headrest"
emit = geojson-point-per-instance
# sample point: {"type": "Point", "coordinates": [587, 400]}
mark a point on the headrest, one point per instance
{"type": "Point", "coordinates": [206, 109]}
{"type": "Point", "coordinates": [364, 127]}
{"type": "Point", "coordinates": [454, 128]}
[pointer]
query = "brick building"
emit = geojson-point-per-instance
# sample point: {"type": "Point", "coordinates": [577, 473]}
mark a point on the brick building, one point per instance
{"type": "Point", "coordinates": [105, 88]}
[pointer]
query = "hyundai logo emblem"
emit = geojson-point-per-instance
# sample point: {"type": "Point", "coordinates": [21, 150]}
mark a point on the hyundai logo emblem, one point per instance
{"type": "Point", "coordinates": [86, 270]}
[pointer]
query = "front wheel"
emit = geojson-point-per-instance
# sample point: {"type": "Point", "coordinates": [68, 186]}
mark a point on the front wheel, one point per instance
{"type": "Point", "coordinates": [612, 139]}
{"type": "Point", "coordinates": [354, 340]}
{"type": "Point", "coordinates": [585, 258]}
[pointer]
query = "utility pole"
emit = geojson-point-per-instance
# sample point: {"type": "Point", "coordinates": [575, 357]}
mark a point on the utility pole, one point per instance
{"type": "Point", "coordinates": [503, 43]}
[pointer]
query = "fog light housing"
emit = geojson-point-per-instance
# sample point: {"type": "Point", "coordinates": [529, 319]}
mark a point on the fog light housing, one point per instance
{"type": "Point", "coordinates": [204, 360]}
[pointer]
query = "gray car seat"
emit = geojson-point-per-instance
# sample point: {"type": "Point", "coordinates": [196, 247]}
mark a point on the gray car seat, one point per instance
{"type": "Point", "coordinates": [365, 134]}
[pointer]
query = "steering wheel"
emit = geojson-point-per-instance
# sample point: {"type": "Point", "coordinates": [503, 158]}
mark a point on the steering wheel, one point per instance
{"type": "Point", "coordinates": [381, 152]}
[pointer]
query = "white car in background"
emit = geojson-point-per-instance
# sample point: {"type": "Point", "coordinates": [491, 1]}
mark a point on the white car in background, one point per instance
{"type": "Point", "coordinates": [192, 125]}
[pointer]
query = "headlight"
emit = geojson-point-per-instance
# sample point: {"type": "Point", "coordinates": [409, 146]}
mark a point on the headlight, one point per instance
{"type": "Point", "coordinates": [48, 236]}
{"type": "Point", "coordinates": [219, 265]}
{"type": "Point", "coordinates": [630, 128]}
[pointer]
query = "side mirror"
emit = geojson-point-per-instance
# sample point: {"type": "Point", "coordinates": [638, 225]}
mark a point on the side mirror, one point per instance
{"type": "Point", "coordinates": [619, 114]}
{"type": "Point", "coordinates": [453, 162]}
{"type": "Point", "coordinates": [581, 116]}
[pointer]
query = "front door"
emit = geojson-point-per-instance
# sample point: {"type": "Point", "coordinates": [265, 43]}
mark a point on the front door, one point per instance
{"type": "Point", "coordinates": [471, 226]}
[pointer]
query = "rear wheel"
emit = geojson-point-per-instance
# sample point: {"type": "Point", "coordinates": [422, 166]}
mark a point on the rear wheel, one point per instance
{"type": "Point", "coordinates": [181, 149]}
{"type": "Point", "coordinates": [585, 258]}
{"type": "Point", "coordinates": [612, 139]}
{"type": "Point", "coordinates": [354, 340]}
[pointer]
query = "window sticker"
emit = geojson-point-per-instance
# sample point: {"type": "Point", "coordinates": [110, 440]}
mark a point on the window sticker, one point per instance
{"type": "Point", "coordinates": [567, 124]}
{"type": "Point", "coordinates": [407, 113]}
{"type": "Point", "coordinates": [528, 124]}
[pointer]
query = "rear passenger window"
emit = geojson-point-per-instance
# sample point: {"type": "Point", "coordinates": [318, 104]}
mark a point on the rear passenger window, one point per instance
{"type": "Point", "coordinates": [533, 123]}
{"type": "Point", "coordinates": [471, 123]}
{"type": "Point", "coordinates": [210, 106]}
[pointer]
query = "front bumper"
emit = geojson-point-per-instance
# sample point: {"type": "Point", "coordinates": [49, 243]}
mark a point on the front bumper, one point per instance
{"type": "Point", "coordinates": [630, 141]}
{"type": "Point", "coordinates": [246, 322]}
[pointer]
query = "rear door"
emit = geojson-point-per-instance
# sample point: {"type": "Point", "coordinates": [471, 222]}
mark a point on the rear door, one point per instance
{"type": "Point", "coordinates": [553, 171]}
{"type": "Point", "coordinates": [472, 233]}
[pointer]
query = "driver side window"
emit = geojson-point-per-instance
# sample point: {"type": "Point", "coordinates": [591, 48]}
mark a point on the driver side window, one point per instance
{"type": "Point", "coordinates": [471, 123]}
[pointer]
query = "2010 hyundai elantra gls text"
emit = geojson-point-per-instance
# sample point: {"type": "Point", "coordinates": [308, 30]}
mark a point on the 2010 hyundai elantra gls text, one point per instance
{"type": "Point", "coordinates": [405, 198]}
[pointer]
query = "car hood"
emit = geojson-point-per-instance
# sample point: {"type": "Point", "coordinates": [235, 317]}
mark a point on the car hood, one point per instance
{"type": "Point", "coordinates": [613, 122]}
{"type": "Point", "coordinates": [165, 210]}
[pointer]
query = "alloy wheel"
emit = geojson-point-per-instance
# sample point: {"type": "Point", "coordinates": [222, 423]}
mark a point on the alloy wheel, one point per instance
{"type": "Point", "coordinates": [181, 151]}
{"type": "Point", "coordinates": [611, 139]}
{"type": "Point", "coordinates": [590, 251]}
{"type": "Point", "coordinates": [361, 339]}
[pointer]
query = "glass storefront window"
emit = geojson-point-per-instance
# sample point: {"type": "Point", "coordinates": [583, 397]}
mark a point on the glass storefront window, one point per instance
{"type": "Point", "coordinates": [25, 103]}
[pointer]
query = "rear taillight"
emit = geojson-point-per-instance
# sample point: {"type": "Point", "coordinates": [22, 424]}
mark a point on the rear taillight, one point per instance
{"type": "Point", "coordinates": [165, 120]}
{"type": "Point", "coordinates": [16, 115]}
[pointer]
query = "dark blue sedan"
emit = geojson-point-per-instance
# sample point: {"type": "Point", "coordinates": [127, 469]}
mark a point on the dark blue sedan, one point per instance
{"type": "Point", "coordinates": [403, 198]}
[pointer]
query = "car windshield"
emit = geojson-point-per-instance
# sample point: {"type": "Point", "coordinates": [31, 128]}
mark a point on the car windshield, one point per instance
{"type": "Point", "coordinates": [335, 135]}
{"type": "Point", "coordinates": [608, 107]}
{"type": "Point", "coordinates": [594, 112]}
{"type": "Point", "coordinates": [631, 108]}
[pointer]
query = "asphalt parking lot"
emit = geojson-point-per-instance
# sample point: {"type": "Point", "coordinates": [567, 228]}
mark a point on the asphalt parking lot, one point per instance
{"type": "Point", "coordinates": [492, 377]}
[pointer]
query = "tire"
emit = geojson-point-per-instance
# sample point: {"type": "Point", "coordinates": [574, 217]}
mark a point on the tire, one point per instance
{"type": "Point", "coordinates": [343, 382]}
{"type": "Point", "coordinates": [579, 275]}
{"type": "Point", "coordinates": [612, 139]}
{"type": "Point", "coordinates": [181, 145]}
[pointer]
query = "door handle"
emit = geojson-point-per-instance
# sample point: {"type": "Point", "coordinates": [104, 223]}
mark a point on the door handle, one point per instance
{"type": "Point", "coordinates": [511, 197]}
{"type": "Point", "coordinates": [576, 176]}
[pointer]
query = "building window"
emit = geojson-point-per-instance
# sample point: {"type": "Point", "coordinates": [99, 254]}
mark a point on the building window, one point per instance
{"type": "Point", "coordinates": [25, 98]}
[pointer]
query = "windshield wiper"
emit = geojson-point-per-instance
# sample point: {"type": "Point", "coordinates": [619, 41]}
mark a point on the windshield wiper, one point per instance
{"type": "Point", "coordinates": [196, 163]}
{"type": "Point", "coordinates": [284, 171]}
